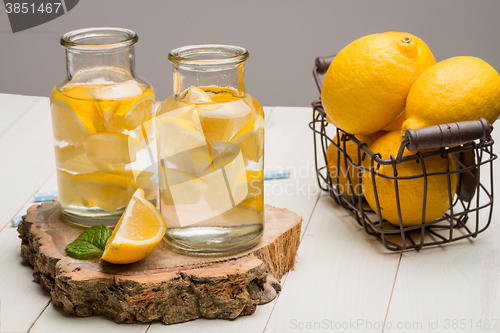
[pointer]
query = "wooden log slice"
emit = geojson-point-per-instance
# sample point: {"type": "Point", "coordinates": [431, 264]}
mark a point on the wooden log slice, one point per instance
{"type": "Point", "coordinates": [166, 285]}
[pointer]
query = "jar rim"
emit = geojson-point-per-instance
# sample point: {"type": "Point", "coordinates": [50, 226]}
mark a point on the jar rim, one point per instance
{"type": "Point", "coordinates": [208, 55]}
{"type": "Point", "coordinates": [119, 38]}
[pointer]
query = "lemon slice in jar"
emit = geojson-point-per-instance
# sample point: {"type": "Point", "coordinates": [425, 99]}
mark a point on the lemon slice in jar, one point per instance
{"type": "Point", "coordinates": [111, 148]}
{"type": "Point", "coordinates": [73, 119]}
{"type": "Point", "coordinates": [73, 159]}
{"type": "Point", "coordinates": [176, 135]}
{"type": "Point", "coordinates": [106, 108]}
{"type": "Point", "coordinates": [196, 96]}
{"type": "Point", "coordinates": [68, 195]}
{"type": "Point", "coordinates": [131, 113]}
{"type": "Point", "coordinates": [107, 191]}
{"type": "Point", "coordinates": [180, 188]}
{"type": "Point", "coordinates": [250, 139]}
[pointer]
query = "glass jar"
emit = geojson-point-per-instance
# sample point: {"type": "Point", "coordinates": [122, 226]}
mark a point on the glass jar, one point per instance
{"type": "Point", "coordinates": [210, 145]}
{"type": "Point", "coordinates": [98, 112]}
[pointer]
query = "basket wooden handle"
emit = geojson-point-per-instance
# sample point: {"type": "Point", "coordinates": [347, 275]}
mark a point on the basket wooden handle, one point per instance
{"type": "Point", "coordinates": [448, 134]}
{"type": "Point", "coordinates": [322, 63]}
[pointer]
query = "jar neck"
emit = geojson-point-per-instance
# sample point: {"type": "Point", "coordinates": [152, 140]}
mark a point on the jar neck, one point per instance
{"type": "Point", "coordinates": [208, 65]}
{"type": "Point", "coordinates": [232, 78]}
{"type": "Point", "coordinates": [82, 62]}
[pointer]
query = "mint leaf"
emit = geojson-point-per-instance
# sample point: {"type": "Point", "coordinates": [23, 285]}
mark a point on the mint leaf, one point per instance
{"type": "Point", "coordinates": [83, 250]}
{"type": "Point", "coordinates": [97, 235]}
{"type": "Point", "coordinates": [90, 243]}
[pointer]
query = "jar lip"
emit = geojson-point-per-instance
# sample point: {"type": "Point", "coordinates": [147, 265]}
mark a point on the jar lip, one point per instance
{"type": "Point", "coordinates": [118, 38]}
{"type": "Point", "coordinates": [208, 55]}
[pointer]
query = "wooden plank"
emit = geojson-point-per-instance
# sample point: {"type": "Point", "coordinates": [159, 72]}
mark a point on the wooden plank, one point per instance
{"type": "Point", "coordinates": [55, 320]}
{"type": "Point", "coordinates": [246, 324]}
{"type": "Point", "coordinates": [454, 287]}
{"type": "Point", "coordinates": [342, 276]}
{"type": "Point", "coordinates": [13, 107]}
{"type": "Point", "coordinates": [441, 288]}
{"type": "Point", "coordinates": [22, 300]}
{"type": "Point", "coordinates": [285, 128]}
{"type": "Point", "coordinates": [289, 146]}
{"type": "Point", "coordinates": [27, 159]}
{"type": "Point", "coordinates": [50, 184]}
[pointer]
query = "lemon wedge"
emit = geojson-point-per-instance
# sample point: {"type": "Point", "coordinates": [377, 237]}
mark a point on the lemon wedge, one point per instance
{"type": "Point", "coordinates": [131, 113]}
{"type": "Point", "coordinates": [254, 201]}
{"type": "Point", "coordinates": [217, 122]}
{"type": "Point", "coordinates": [138, 232]}
{"type": "Point", "coordinates": [254, 104]}
{"type": "Point", "coordinates": [73, 119]}
{"type": "Point", "coordinates": [180, 188]}
{"type": "Point", "coordinates": [107, 191]}
{"type": "Point", "coordinates": [176, 135]}
{"type": "Point", "coordinates": [255, 181]}
{"type": "Point", "coordinates": [250, 138]}
{"type": "Point", "coordinates": [111, 148]}
{"type": "Point", "coordinates": [73, 159]}
{"type": "Point", "coordinates": [139, 178]}
{"type": "Point", "coordinates": [252, 184]}
{"type": "Point", "coordinates": [196, 96]}
{"type": "Point", "coordinates": [106, 109]}
{"type": "Point", "coordinates": [67, 194]}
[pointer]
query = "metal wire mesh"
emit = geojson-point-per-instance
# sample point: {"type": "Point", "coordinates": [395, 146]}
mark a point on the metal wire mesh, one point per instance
{"type": "Point", "coordinates": [470, 200]}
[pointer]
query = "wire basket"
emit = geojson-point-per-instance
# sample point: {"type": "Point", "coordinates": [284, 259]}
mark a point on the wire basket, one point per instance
{"type": "Point", "coordinates": [466, 149]}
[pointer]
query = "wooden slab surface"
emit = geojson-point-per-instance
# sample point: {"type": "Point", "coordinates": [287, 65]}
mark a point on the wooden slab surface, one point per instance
{"type": "Point", "coordinates": [166, 285]}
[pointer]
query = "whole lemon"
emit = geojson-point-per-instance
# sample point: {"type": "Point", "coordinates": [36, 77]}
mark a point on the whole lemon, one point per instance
{"type": "Point", "coordinates": [455, 89]}
{"type": "Point", "coordinates": [366, 85]}
{"type": "Point", "coordinates": [411, 191]}
{"type": "Point", "coordinates": [351, 150]}
{"type": "Point", "coordinates": [396, 124]}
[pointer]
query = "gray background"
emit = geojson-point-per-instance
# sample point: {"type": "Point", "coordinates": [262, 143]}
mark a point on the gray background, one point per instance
{"type": "Point", "coordinates": [283, 37]}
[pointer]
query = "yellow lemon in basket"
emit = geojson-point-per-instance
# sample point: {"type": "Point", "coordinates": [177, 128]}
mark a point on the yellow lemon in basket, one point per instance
{"type": "Point", "coordinates": [455, 89]}
{"type": "Point", "coordinates": [366, 85]}
{"type": "Point", "coordinates": [396, 124]}
{"type": "Point", "coordinates": [411, 191]}
{"type": "Point", "coordinates": [351, 150]}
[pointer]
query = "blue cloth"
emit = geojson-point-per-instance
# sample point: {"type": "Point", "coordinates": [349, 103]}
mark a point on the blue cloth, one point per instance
{"type": "Point", "coordinates": [277, 174]}
{"type": "Point", "coordinates": [45, 196]}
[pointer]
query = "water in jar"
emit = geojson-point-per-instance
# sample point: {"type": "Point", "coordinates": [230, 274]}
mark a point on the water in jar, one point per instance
{"type": "Point", "coordinates": [210, 144]}
{"type": "Point", "coordinates": [97, 141]}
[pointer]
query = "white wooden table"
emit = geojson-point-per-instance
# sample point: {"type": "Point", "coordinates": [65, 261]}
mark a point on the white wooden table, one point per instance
{"type": "Point", "coordinates": [344, 280]}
